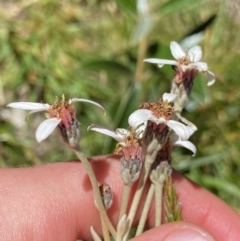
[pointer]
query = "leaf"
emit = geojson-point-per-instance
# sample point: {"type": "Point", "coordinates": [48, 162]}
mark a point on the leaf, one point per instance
{"type": "Point", "coordinates": [173, 6]}
{"type": "Point", "coordinates": [220, 184]}
{"type": "Point", "coordinates": [143, 28]}
{"type": "Point", "coordinates": [128, 6]}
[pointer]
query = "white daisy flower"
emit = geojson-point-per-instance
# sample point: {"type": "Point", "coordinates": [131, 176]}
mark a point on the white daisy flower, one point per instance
{"type": "Point", "coordinates": [187, 60]}
{"type": "Point", "coordinates": [161, 114]}
{"type": "Point", "coordinates": [61, 113]}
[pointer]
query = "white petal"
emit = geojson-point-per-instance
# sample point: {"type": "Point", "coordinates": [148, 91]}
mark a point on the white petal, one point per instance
{"type": "Point", "coordinates": [195, 53]}
{"type": "Point", "coordinates": [160, 62]}
{"type": "Point", "coordinates": [29, 106]}
{"type": "Point", "coordinates": [184, 132]}
{"type": "Point", "coordinates": [140, 130]}
{"type": "Point", "coordinates": [169, 97]}
{"type": "Point", "coordinates": [187, 144]}
{"type": "Point", "coordinates": [88, 101]}
{"type": "Point", "coordinates": [138, 117]}
{"type": "Point", "coordinates": [118, 136]}
{"type": "Point", "coordinates": [122, 132]}
{"type": "Point", "coordinates": [211, 78]}
{"type": "Point", "coordinates": [176, 50]}
{"type": "Point", "coordinates": [46, 128]}
{"type": "Point", "coordinates": [158, 120]}
{"type": "Point", "coordinates": [201, 66]}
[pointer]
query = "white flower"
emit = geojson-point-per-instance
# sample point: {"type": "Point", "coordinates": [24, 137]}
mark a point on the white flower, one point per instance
{"type": "Point", "coordinates": [187, 60]}
{"type": "Point", "coordinates": [61, 112]}
{"type": "Point", "coordinates": [143, 115]}
{"type": "Point", "coordinates": [120, 134]}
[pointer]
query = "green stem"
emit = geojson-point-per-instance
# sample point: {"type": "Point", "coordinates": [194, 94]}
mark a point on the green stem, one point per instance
{"type": "Point", "coordinates": [145, 211]}
{"type": "Point", "coordinates": [96, 191]}
{"type": "Point", "coordinates": [142, 49]}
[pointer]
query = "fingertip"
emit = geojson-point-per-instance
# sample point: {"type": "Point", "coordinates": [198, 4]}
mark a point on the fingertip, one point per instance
{"type": "Point", "coordinates": [176, 231]}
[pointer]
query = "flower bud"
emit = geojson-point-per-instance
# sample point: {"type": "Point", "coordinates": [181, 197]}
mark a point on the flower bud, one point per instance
{"type": "Point", "coordinates": [71, 136]}
{"type": "Point", "coordinates": [131, 163]}
{"type": "Point", "coordinates": [106, 194]}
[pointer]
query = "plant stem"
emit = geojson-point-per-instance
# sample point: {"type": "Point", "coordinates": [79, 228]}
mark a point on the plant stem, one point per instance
{"type": "Point", "coordinates": [104, 229]}
{"type": "Point", "coordinates": [158, 203]}
{"type": "Point", "coordinates": [96, 191]}
{"type": "Point", "coordinates": [121, 227]}
{"type": "Point", "coordinates": [125, 198]}
{"type": "Point", "coordinates": [94, 234]}
{"type": "Point", "coordinates": [145, 211]}
{"type": "Point", "coordinates": [140, 57]}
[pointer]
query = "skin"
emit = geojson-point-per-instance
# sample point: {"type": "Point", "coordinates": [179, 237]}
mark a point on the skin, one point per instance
{"type": "Point", "coordinates": [54, 202]}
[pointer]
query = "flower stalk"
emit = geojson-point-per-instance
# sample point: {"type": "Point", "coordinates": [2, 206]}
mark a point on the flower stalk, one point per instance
{"type": "Point", "coordinates": [96, 191]}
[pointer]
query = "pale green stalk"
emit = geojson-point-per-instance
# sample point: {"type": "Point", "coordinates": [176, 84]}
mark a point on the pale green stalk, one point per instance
{"type": "Point", "coordinates": [158, 203]}
{"type": "Point", "coordinates": [125, 198]}
{"type": "Point", "coordinates": [152, 151]}
{"type": "Point", "coordinates": [145, 211]}
{"type": "Point", "coordinates": [96, 191]}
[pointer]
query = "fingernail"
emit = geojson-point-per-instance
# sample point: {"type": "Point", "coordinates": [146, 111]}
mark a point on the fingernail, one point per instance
{"type": "Point", "coordinates": [189, 234]}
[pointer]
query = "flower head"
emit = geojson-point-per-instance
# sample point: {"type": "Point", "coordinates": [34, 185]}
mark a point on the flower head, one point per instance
{"type": "Point", "coordinates": [129, 146]}
{"type": "Point", "coordinates": [124, 137]}
{"type": "Point", "coordinates": [158, 116]}
{"type": "Point", "coordinates": [61, 114]}
{"type": "Point", "coordinates": [186, 60]}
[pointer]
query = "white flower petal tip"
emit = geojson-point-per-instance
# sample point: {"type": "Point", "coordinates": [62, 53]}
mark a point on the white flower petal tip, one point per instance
{"type": "Point", "coordinates": [118, 135]}
{"type": "Point", "coordinates": [169, 97]}
{"type": "Point", "coordinates": [211, 78]}
{"type": "Point", "coordinates": [184, 132]}
{"type": "Point", "coordinates": [176, 50]}
{"type": "Point", "coordinates": [46, 128]}
{"type": "Point", "coordinates": [160, 62]}
{"type": "Point", "coordinates": [88, 101]}
{"type": "Point", "coordinates": [187, 144]}
{"type": "Point", "coordinates": [29, 106]}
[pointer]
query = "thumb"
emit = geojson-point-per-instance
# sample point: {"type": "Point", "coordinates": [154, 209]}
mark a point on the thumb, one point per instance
{"type": "Point", "coordinates": [176, 231]}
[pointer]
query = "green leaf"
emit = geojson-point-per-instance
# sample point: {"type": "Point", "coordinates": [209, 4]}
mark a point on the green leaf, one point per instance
{"type": "Point", "coordinates": [173, 6]}
{"type": "Point", "coordinates": [223, 185]}
{"type": "Point", "coordinates": [128, 6]}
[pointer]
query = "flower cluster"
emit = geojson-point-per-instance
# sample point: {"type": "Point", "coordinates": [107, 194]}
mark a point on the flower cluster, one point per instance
{"type": "Point", "coordinates": [144, 149]}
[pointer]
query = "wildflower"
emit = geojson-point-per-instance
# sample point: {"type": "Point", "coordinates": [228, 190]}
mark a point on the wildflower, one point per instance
{"type": "Point", "coordinates": [61, 114]}
{"type": "Point", "coordinates": [129, 146]}
{"type": "Point", "coordinates": [158, 116]}
{"type": "Point", "coordinates": [185, 61]}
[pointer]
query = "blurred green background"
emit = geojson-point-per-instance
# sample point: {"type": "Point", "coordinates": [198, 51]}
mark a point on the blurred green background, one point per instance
{"type": "Point", "coordinates": [94, 49]}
